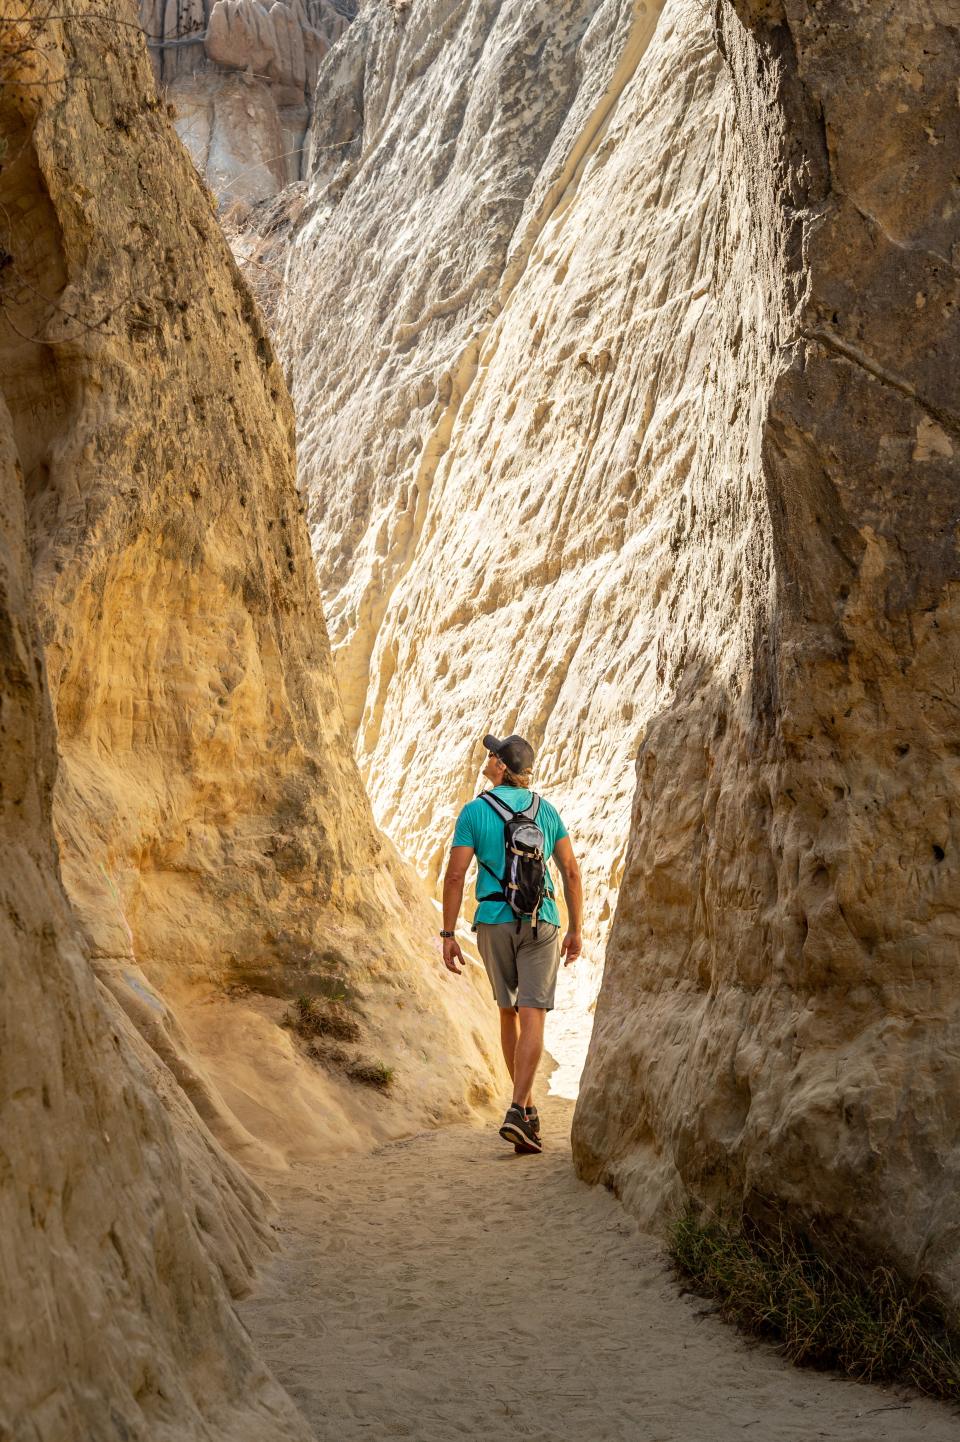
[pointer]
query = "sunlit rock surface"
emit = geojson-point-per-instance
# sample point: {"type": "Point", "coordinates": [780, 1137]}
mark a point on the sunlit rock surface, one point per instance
{"type": "Point", "coordinates": [240, 75]}
{"type": "Point", "coordinates": [623, 345]}
{"type": "Point", "coordinates": [215, 839]}
{"type": "Point", "coordinates": [117, 1252]}
{"type": "Point", "coordinates": [469, 492]}
{"type": "Point", "coordinates": [207, 825]}
{"type": "Point", "coordinates": [123, 1226]}
{"type": "Point", "coordinates": [120, 1244]}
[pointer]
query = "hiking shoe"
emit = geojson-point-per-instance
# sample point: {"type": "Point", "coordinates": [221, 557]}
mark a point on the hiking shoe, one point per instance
{"type": "Point", "coordinates": [533, 1119]}
{"type": "Point", "coordinates": [517, 1128]}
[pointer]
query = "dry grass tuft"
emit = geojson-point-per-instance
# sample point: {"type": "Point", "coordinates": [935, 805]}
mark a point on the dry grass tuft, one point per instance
{"type": "Point", "coordinates": [828, 1313]}
{"type": "Point", "coordinates": [311, 1017]}
{"type": "Point", "coordinates": [371, 1074]}
{"type": "Point", "coordinates": [258, 234]}
{"type": "Point", "coordinates": [322, 1022]}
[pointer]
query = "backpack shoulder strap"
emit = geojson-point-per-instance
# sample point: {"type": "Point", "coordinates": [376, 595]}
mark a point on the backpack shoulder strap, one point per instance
{"type": "Point", "coordinates": [533, 809]}
{"type": "Point", "coordinates": [505, 812]}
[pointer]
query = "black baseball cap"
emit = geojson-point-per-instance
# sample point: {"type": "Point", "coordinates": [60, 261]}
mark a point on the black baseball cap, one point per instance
{"type": "Point", "coordinates": [515, 753]}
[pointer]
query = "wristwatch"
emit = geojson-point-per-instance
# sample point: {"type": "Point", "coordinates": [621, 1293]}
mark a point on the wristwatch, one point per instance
{"type": "Point", "coordinates": [448, 933]}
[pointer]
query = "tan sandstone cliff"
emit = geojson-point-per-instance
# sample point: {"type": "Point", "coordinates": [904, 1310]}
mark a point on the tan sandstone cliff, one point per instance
{"type": "Point", "coordinates": [116, 1320]}
{"type": "Point", "coordinates": [626, 416]}
{"type": "Point", "coordinates": [240, 75]}
{"type": "Point", "coordinates": [214, 834]}
{"type": "Point", "coordinates": [119, 1241]}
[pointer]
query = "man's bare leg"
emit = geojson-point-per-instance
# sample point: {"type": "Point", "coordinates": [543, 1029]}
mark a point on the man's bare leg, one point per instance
{"type": "Point", "coordinates": [509, 1035]}
{"type": "Point", "coordinates": [529, 1050]}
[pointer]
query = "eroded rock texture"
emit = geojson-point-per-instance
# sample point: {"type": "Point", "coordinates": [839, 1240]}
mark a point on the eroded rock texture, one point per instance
{"type": "Point", "coordinates": [241, 76]}
{"type": "Point", "coordinates": [778, 1024]}
{"type": "Point", "coordinates": [628, 416]}
{"type": "Point", "coordinates": [118, 1243]}
{"type": "Point", "coordinates": [215, 838]}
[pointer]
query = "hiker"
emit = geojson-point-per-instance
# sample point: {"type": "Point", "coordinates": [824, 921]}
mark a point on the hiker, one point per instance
{"type": "Point", "coordinates": [513, 832]}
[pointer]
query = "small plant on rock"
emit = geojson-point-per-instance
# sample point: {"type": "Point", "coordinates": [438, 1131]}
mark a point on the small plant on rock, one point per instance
{"type": "Point", "coordinates": [371, 1074]}
{"type": "Point", "coordinates": [311, 1017]}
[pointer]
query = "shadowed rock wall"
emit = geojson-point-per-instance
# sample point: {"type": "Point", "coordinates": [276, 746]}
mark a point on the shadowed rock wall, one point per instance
{"type": "Point", "coordinates": [778, 1024]}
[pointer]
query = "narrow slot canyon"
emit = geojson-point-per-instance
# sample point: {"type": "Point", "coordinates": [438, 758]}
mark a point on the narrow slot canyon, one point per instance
{"type": "Point", "coordinates": [376, 375]}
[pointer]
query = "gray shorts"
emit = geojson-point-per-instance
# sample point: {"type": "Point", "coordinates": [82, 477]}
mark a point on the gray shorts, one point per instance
{"type": "Point", "coordinates": [522, 967]}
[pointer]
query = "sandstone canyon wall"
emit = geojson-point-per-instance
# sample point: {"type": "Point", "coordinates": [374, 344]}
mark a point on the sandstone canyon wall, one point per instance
{"type": "Point", "coordinates": [215, 839]}
{"type": "Point", "coordinates": [778, 1027]}
{"type": "Point", "coordinates": [240, 75]}
{"type": "Point", "coordinates": [116, 1319]}
{"type": "Point", "coordinates": [626, 420]}
{"type": "Point", "coordinates": [121, 1235]}
{"type": "Point", "coordinates": [206, 823]}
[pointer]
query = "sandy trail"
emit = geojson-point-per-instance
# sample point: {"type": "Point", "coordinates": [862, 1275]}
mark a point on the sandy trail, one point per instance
{"type": "Point", "coordinates": [444, 1287]}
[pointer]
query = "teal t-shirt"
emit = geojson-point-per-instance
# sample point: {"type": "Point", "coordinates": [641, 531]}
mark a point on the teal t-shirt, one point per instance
{"type": "Point", "coordinates": [479, 826]}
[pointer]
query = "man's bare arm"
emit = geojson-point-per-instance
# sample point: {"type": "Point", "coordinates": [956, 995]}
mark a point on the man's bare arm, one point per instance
{"type": "Point", "coordinates": [453, 881]}
{"type": "Point", "coordinates": [572, 944]}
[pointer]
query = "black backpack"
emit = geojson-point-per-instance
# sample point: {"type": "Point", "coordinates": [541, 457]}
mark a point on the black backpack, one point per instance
{"type": "Point", "coordinates": [524, 880]}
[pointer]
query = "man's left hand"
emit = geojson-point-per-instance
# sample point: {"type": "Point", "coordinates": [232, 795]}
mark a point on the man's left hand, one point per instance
{"type": "Point", "coordinates": [571, 947]}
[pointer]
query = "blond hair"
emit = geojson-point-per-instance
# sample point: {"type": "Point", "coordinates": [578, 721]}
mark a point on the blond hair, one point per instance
{"type": "Point", "coordinates": [520, 779]}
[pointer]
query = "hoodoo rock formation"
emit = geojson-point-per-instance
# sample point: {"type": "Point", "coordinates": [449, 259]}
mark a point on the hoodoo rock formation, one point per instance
{"type": "Point", "coordinates": [627, 395]}
{"type": "Point", "coordinates": [213, 838]}
{"type": "Point", "coordinates": [241, 76]}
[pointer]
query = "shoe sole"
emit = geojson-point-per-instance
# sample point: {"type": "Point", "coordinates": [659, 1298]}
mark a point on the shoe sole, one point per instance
{"type": "Point", "coordinates": [511, 1133]}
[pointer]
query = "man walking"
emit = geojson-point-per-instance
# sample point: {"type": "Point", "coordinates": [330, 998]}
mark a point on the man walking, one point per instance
{"type": "Point", "coordinates": [508, 829]}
